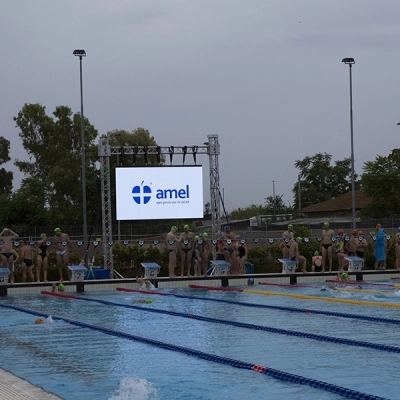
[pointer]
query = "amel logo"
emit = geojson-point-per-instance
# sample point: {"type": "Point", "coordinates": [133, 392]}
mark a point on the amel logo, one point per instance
{"type": "Point", "coordinates": [141, 194]}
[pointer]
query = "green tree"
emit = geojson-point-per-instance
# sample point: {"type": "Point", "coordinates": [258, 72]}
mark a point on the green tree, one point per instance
{"type": "Point", "coordinates": [53, 145]}
{"type": "Point", "coordinates": [380, 182]}
{"type": "Point", "coordinates": [275, 205]}
{"type": "Point", "coordinates": [6, 177]}
{"type": "Point", "coordinates": [248, 212]}
{"type": "Point", "coordinates": [320, 181]}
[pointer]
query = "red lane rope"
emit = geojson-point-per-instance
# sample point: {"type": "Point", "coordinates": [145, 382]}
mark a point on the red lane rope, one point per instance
{"type": "Point", "coordinates": [58, 294]}
{"type": "Point", "coordinates": [140, 291]}
{"type": "Point", "coordinates": [288, 285]}
{"type": "Point", "coordinates": [360, 283]}
{"type": "Point", "coordinates": [225, 289]}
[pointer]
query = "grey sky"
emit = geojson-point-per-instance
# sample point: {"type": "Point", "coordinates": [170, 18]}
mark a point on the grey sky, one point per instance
{"type": "Point", "coordinates": [266, 76]}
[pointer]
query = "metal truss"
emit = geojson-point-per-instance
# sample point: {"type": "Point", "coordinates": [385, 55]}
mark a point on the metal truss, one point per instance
{"type": "Point", "coordinates": [211, 148]}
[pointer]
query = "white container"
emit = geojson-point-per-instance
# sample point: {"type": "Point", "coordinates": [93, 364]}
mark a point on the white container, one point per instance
{"type": "Point", "coordinates": [78, 273]}
{"type": "Point", "coordinates": [4, 272]}
{"type": "Point", "coordinates": [288, 266]}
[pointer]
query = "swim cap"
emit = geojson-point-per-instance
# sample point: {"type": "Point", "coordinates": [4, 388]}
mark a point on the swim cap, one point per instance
{"type": "Point", "coordinates": [205, 234]}
{"type": "Point", "coordinates": [39, 321]}
{"type": "Point", "coordinates": [42, 235]}
{"type": "Point", "coordinates": [226, 227]}
{"type": "Point", "coordinates": [299, 239]}
{"type": "Point", "coordinates": [326, 224]}
{"type": "Point", "coordinates": [196, 237]}
{"type": "Point", "coordinates": [250, 281]}
{"type": "Point", "coordinates": [343, 275]}
{"type": "Point", "coordinates": [200, 235]}
{"type": "Point", "coordinates": [57, 230]}
{"type": "Point", "coordinates": [186, 227]}
{"type": "Point", "coordinates": [316, 253]}
{"type": "Point", "coordinates": [359, 287]}
{"type": "Point", "coordinates": [290, 226]}
{"type": "Point", "coordinates": [61, 287]}
{"type": "Point", "coordinates": [174, 228]}
{"type": "Point", "coordinates": [148, 300]}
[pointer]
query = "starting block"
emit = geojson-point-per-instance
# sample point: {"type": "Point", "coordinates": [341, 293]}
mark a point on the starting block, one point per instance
{"type": "Point", "coordinates": [289, 266]}
{"type": "Point", "coordinates": [355, 263]}
{"type": "Point", "coordinates": [219, 267]}
{"type": "Point", "coordinates": [151, 269]}
{"type": "Point", "coordinates": [4, 272]}
{"type": "Point", "coordinates": [78, 273]}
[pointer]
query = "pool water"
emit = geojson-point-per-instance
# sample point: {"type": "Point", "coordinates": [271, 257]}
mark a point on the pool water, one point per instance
{"type": "Point", "coordinates": [80, 363]}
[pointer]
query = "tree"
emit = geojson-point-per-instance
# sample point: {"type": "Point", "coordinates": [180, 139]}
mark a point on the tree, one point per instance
{"type": "Point", "coordinates": [53, 145]}
{"type": "Point", "coordinates": [275, 205]}
{"type": "Point", "coordinates": [320, 181]}
{"type": "Point", "coordinates": [6, 177]}
{"type": "Point", "coordinates": [380, 182]}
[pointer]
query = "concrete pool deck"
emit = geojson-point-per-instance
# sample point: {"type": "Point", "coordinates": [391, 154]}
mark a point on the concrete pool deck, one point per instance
{"type": "Point", "coordinates": [14, 388]}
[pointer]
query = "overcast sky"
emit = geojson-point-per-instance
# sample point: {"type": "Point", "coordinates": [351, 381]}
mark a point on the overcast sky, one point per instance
{"type": "Point", "coordinates": [266, 76]}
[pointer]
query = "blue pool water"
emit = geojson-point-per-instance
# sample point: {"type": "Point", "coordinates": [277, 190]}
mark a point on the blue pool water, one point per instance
{"type": "Point", "coordinates": [80, 363]}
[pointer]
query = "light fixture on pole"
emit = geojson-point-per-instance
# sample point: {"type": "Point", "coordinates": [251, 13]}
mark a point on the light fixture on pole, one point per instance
{"type": "Point", "coordinates": [350, 62]}
{"type": "Point", "coordinates": [81, 54]}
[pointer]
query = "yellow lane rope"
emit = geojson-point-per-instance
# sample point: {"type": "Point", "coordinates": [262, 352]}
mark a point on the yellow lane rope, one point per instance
{"type": "Point", "coordinates": [365, 291]}
{"type": "Point", "coordinates": [333, 299]}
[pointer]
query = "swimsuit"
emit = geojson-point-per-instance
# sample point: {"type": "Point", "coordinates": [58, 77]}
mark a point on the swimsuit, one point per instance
{"type": "Point", "coordinates": [241, 252]}
{"type": "Point", "coordinates": [61, 252]}
{"type": "Point", "coordinates": [186, 250]}
{"type": "Point", "coordinates": [170, 251]}
{"type": "Point", "coordinates": [230, 250]}
{"type": "Point", "coordinates": [43, 247]}
{"type": "Point", "coordinates": [360, 254]}
{"type": "Point", "coordinates": [327, 246]}
{"type": "Point", "coordinates": [8, 255]}
{"type": "Point", "coordinates": [28, 262]}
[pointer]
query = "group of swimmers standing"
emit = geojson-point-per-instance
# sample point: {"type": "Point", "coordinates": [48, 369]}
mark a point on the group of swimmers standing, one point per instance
{"type": "Point", "coordinates": [339, 245]}
{"type": "Point", "coordinates": [195, 251]}
{"type": "Point", "coordinates": [9, 240]}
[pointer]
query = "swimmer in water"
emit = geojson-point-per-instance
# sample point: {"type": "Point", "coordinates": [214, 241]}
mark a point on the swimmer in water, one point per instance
{"type": "Point", "coordinates": [48, 320]}
{"type": "Point", "coordinates": [145, 285]}
{"type": "Point", "coordinates": [147, 300]}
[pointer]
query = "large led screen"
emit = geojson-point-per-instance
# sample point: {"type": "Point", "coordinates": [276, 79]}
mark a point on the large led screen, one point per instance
{"type": "Point", "coordinates": [159, 192]}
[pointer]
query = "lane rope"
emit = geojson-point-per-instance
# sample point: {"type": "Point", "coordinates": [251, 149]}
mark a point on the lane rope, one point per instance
{"type": "Point", "coordinates": [303, 296]}
{"type": "Point", "coordinates": [313, 336]}
{"type": "Point", "coordinates": [284, 376]}
{"type": "Point", "coordinates": [283, 308]}
{"type": "Point", "coordinates": [363, 283]}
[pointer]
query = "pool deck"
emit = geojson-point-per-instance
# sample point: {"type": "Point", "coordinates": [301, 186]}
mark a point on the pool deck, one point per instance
{"type": "Point", "coordinates": [14, 388]}
{"type": "Point", "coordinates": [182, 282]}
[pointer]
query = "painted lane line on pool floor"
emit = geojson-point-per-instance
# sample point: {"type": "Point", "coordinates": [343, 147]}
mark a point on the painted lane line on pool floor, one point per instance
{"type": "Point", "coordinates": [308, 297]}
{"type": "Point", "coordinates": [313, 336]}
{"type": "Point", "coordinates": [285, 376]}
{"type": "Point", "coordinates": [282, 308]}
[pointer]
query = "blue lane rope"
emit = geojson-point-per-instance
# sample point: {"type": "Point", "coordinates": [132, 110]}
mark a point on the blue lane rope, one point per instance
{"type": "Point", "coordinates": [349, 393]}
{"type": "Point", "coordinates": [323, 338]}
{"type": "Point", "coordinates": [294, 309]}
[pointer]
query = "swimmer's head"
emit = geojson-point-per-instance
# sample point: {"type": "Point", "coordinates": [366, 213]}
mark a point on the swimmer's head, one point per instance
{"type": "Point", "coordinates": [205, 234]}
{"type": "Point", "coordinates": [326, 224]}
{"type": "Point", "coordinates": [343, 275]}
{"type": "Point", "coordinates": [174, 228]}
{"type": "Point", "coordinates": [57, 231]}
{"type": "Point", "coordinates": [39, 321]}
{"type": "Point", "coordinates": [200, 236]}
{"type": "Point", "coordinates": [196, 237]}
{"type": "Point", "coordinates": [186, 227]}
{"type": "Point", "coordinates": [61, 287]}
{"type": "Point", "coordinates": [250, 281]}
{"type": "Point", "coordinates": [316, 253]}
{"type": "Point", "coordinates": [227, 228]}
{"type": "Point", "coordinates": [378, 226]}
{"type": "Point", "coordinates": [299, 239]}
{"type": "Point", "coordinates": [354, 232]}
{"type": "Point", "coordinates": [290, 226]}
{"type": "Point", "coordinates": [148, 300]}
{"type": "Point", "coordinates": [340, 232]}
{"type": "Point", "coordinates": [43, 235]}
{"type": "Point", "coordinates": [360, 233]}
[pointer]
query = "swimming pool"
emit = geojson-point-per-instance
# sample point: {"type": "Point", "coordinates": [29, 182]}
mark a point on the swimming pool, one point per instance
{"type": "Point", "coordinates": [75, 362]}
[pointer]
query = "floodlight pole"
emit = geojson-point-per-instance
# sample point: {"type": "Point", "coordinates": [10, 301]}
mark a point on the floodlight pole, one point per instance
{"type": "Point", "coordinates": [80, 54]}
{"type": "Point", "coordinates": [350, 62]}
